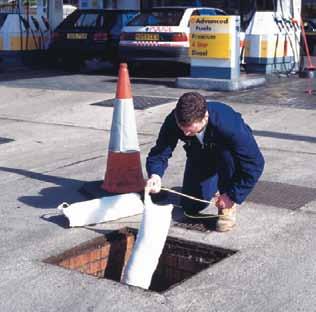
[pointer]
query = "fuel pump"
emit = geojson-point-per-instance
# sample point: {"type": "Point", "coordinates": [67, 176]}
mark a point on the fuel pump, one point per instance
{"type": "Point", "coordinates": [272, 41]}
{"type": "Point", "coordinates": [25, 31]}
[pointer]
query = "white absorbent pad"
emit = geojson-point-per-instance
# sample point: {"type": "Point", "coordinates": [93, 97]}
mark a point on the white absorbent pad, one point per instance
{"type": "Point", "coordinates": [149, 244]}
{"type": "Point", "coordinates": [102, 209]}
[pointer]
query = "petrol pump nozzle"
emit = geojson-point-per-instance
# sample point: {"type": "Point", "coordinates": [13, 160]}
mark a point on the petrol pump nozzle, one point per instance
{"type": "Point", "coordinates": [287, 23]}
{"type": "Point", "coordinates": [279, 23]}
{"type": "Point", "coordinates": [295, 23]}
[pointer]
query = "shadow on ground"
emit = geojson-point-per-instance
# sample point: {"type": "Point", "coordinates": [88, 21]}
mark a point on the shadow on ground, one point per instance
{"type": "Point", "coordinates": [11, 72]}
{"type": "Point", "coordinates": [66, 190]}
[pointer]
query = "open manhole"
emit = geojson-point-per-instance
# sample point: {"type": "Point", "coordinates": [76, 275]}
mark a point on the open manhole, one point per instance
{"type": "Point", "coordinates": [106, 257]}
{"type": "Point", "coordinates": [140, 102]}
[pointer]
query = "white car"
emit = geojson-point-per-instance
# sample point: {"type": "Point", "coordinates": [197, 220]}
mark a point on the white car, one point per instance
{"type": "Point", "coordinates": [68, 9]}
{"type": "Point", "coordinates": [160, 34]}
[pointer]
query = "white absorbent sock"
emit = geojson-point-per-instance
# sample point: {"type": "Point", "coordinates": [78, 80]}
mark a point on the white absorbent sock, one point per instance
{"type": "Point", "coordinates": [102, 209]}
{"type": "Point", "coordinates": [149, 244]}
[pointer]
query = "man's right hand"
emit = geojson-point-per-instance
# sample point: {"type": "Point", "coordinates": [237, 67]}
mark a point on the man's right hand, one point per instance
{"type": "Point", "coordinates": [153, 184]}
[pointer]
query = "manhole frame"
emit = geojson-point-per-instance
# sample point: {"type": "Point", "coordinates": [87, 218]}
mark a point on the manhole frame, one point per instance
{"type": "Point", "coordinates": [106, 238]}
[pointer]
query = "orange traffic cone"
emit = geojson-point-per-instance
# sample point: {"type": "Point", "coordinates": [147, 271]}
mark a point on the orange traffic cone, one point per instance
{"type": "Point", "coordinates": [124, 171]}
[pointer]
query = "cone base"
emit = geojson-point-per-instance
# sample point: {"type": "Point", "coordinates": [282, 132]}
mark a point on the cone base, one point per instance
{"type": "Point", "coordinates": [124, 173]}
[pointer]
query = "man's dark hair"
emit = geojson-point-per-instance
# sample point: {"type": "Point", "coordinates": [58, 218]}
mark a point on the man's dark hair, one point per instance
{"type": "Point", "coordinates": [191, 107]}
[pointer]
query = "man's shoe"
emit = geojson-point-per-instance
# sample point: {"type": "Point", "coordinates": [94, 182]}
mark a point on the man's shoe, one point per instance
{"type": "Point", "coordinates": [226, 219]}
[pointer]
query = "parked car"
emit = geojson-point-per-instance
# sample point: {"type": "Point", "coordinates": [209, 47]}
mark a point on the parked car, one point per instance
{"type": "Point", "coordinates": [68, 9]}
{"type": "Point", "coordinates": [88, 34]}
{"type": "Point", "coordinates": [160, 34]}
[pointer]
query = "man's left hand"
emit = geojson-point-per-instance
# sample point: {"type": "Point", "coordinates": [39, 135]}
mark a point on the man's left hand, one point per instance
{"type": "Point", "coordinates": [224, 202]}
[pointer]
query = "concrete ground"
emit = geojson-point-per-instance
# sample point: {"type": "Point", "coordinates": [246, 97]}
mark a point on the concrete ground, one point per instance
{"type": "Point", "coordinates": [59, 142]}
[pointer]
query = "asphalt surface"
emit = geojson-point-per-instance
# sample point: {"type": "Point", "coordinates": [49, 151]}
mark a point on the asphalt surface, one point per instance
{"type": "Point", "coordinates": [54, 135]}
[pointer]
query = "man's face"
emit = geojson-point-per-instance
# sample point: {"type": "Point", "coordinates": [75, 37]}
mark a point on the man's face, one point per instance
{"type": "Point", "coordinates": [195, 127]}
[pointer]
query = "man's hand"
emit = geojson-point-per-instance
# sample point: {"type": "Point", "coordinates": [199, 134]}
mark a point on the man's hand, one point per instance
{"type": "Point", "coordinates": [224, 202]}
{"type": "Point", "coordinates": [153, 184]}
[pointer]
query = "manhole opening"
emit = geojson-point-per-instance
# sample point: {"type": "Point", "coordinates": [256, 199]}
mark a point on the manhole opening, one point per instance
{"type": "Point", "coordinates": [106, 257]}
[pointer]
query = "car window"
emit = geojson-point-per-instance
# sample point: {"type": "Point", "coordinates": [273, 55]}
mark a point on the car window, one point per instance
{"type": "Point", "coordinates": [220, 12]}
{"type": "Point", "coordinates": [157, 17]}
{"type": "Point", "coordinates": [204, 12]}
{"type": "Point", "coordinates": [120, 21]}
{"type": "Point", "coordinates": [195, 13]}
{"type": "Point", "coordinates": [69, 20]}
{"type": "Point", "coordinates": [126, 17]}
{"type": "Point", "coordinates": [88, 20]}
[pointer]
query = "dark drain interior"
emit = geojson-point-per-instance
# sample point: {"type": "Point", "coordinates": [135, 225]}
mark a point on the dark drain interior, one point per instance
{"type": "Point", "coordinates": [106, 256]}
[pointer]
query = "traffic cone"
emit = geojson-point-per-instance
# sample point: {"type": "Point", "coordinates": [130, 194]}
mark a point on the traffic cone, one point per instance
{"type": "Point", "coordinates": [124, 171]}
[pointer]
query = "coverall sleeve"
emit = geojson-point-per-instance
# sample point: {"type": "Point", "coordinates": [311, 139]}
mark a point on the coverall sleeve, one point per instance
{"type": "Point", "coordinates": [248, 159]}
{"type": "Point", "coordinates": [157, 159]}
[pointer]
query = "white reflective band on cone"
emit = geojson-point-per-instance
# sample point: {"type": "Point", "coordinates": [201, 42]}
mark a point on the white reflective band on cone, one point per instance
{"type": "Point", "coordinates": [149, 244]}
{"type": "Point", "coordinates": [102, 209]}
{"type": "Point", "coordinates": [123, 130]}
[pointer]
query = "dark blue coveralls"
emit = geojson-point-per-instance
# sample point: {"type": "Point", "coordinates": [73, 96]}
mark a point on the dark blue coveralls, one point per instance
{"type": "Point", "coordinates": [229, 159]}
